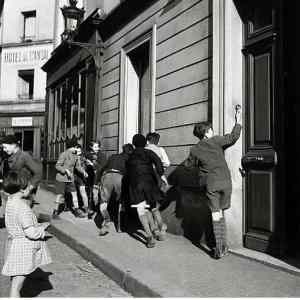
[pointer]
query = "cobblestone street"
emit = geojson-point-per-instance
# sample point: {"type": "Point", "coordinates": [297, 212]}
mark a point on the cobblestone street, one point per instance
{"type": "Point", "coordinates": [68, 276]}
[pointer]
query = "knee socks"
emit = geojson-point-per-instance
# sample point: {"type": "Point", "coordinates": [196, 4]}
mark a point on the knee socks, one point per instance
{"type": "Point", "coordinates": [75, 199]}
{"type": "Point", "coordinates": [218, 232]}
{"type": "Point", "coordinates": [145, 223]}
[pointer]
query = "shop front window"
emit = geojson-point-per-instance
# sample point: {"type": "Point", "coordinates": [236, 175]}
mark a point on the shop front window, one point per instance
{"type": "Point", "coordinates": [67, 113]}
{"type": "Point", "coordinates": [82, 101]}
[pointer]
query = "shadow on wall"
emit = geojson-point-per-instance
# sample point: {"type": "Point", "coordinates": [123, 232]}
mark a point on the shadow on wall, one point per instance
{"type": "Point", "coordinates": [185, 208]}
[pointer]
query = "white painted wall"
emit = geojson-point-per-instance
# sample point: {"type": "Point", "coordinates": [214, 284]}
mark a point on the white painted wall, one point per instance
{"type": "Point", "coordinates": [233, 94]}
{"type": "Point", "coordinates": [13, 19]}
{"type": "Point", "coordinates": [25, 60]}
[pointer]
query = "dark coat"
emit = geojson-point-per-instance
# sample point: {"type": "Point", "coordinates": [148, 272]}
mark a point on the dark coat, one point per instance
{"type": "Point", "coordinates": [117, 162]}
{"type": "Point", "coordinates": [208, 157]}
{"type": "Point", "coordinates": [95, 166]}
{"type": "Point", "coordinates": [23, 163]}
{"type": "Point", "coordinates": [143, 185]}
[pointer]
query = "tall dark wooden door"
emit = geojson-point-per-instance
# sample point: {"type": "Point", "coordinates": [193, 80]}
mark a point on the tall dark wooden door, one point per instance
{"type": "Point", "coordinates": [263, 159]}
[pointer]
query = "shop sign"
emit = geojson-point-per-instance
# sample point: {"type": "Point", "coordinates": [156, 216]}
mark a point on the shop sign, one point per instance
{"type": "Point", "coordinates": [21, 121]}
{"type": "Point", "coordinates": [25, 56]}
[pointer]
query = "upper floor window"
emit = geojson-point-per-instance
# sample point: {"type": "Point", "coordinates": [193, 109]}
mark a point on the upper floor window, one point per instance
{"type": "Point", "coordinates": [25, 84]}
{"type": "Point", "coordinates": [29, 25]}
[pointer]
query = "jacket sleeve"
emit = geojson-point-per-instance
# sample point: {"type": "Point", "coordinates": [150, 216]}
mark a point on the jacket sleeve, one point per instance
{"type": "Point", "coordinates": [35, 168]}
{"type": "Point", "coordinates": [230, 139]}
{"type": "Point", "coordinates": [60, 164]}
{"type": "Point", "coordinates": [31, 229]}
{"type": "Point", "coordinates": [100, 164]}
{"type": "Point", "coordinates": [165, 159]}
{"type": "Point", "coordinates": [79, 166]}
{"type": "Point", "coordinates": [157, 162]}
{"type": "Point", "coordinates": [35, 232]}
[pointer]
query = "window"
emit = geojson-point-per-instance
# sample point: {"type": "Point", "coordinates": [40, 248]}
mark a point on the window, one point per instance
{"type": "Point", "coordinates": [29, 25]}
{"type": "Point", "coordinates": [25, 84]}
{"type": "Point", "coordinates": [25, 136]}
{"type": "Point", "coordinates": [137, 101]}
{"type": "Point", "coordinates": [67, 112]}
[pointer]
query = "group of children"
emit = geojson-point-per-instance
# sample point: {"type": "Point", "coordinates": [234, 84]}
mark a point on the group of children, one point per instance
{"type": "Point", "coordinates": [77, 177]}
{"type": "Point", "coordinates": [138, 171]}
{"type": "Point", "coordinates": [95, 179]}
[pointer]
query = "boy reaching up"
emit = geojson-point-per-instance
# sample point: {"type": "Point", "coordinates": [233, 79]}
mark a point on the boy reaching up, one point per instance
{"type": "Point", "coordinates": [214, 175]}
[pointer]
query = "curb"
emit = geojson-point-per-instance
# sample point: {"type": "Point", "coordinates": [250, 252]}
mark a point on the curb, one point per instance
{"type": "Point", "coordinates": [266, 263]}
{"type": "Point", "coordinates": [123, 278]}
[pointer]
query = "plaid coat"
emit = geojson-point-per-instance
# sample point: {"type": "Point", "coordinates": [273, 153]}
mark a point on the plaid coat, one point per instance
{"type": "Point", "coordinates": [23, 254]}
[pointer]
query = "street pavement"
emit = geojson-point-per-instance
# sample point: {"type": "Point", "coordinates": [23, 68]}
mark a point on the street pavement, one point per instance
{"type": "Point", "coordinates": [68, 276]}
{"type": "Point", "coordinates": [174, 268]}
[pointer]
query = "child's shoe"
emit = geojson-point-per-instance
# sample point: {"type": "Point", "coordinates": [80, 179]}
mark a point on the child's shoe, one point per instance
{"type": "Point", "coordinates": [77, 213]}
{"type": "Point", "coordinates": [150, 242]}
{"type": "Point", "coordinates": [104, 230]}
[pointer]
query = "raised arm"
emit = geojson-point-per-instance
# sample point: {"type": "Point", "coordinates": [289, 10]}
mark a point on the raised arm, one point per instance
{"type": "Point", "coordinates": [230, 139]}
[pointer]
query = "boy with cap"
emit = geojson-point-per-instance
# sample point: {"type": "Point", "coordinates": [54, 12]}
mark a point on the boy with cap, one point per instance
{"type": "Point", "coordinates": [22, 163]}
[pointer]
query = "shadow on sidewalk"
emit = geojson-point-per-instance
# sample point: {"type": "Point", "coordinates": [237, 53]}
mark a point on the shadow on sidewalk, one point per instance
{"type": "Point", "coordinates": [35, 283]}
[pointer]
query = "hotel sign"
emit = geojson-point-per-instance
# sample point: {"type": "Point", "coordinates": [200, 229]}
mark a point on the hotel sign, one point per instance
{"type": "Point", "coordinates": [26, 56]}
{"type": "Point", "coordinates": [21, 121]}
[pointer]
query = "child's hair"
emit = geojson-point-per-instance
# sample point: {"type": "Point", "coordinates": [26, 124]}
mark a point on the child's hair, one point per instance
{"type": "Point", "coordinates": [70, 143]}
{"type": "Point", "coordinates": [153, 137]}
{"type": "Point", "coordinates": [201, 129]}
{"type": "Point", "coordinates": [14, 182]}
{"type": "Point", "coordinates": [127, 148]}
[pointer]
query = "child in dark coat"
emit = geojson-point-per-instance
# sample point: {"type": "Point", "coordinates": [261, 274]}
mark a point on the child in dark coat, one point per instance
{"type": "Point", "coordinates": [143, 188]}
{"type": "Point", "coordinates": [208, 157]}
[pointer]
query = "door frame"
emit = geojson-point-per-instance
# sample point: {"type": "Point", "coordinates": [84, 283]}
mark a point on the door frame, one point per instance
{"type": "Point", "coordinates": [227, 91]}
{"type": "Point", "coordinates": [150, 37]}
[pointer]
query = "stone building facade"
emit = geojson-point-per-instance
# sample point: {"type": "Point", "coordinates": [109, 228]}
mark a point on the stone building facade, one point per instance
{"type": "Point", "coordinates": [165, 65]}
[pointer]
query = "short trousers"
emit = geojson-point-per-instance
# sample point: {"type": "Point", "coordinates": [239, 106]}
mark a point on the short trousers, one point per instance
{"type": "Point", "coordinates": [219, 200]}
{"type": "Point", "coordinates": [111, 183]}
{"type": "Point", "coordinates": [65, 187]}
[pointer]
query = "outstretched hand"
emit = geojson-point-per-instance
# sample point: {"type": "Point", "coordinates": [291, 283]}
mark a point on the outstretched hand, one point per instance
{"type": "Point", "coordinates": [237, 115]}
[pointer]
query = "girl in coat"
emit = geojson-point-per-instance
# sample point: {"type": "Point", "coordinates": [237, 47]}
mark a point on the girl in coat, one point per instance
{"type": "Point", "coordinates": [26, 249]}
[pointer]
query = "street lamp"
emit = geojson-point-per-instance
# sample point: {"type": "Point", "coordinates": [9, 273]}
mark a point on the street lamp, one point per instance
{"type": "Point", "coordinates": [72, 18]}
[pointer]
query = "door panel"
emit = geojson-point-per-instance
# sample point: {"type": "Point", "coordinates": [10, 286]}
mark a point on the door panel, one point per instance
{"type": "Point", "coordinates": [262, 94]}
{"type": "Point", "coordinates": [260, 200]}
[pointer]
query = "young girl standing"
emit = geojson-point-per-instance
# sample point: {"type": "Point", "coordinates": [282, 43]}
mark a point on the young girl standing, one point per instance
{"type": "Point", "coordinates": [26, 249]}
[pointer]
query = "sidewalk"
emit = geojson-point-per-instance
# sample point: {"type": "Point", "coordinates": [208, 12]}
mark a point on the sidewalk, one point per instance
{"type": "Point", "coordinates": [174, 268]}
